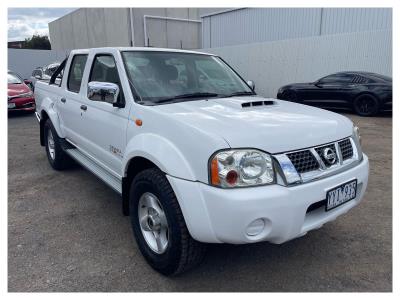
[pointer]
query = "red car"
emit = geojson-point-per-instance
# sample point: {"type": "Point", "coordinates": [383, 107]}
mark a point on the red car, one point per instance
{"type": "Point", "coordinates": [20, 95]}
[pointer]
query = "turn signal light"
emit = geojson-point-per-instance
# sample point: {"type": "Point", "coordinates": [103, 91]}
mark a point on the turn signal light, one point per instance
{"type": "Point", "coordinates": [138, 122]}
{"type": "Point", "coordinates": [214, 172]}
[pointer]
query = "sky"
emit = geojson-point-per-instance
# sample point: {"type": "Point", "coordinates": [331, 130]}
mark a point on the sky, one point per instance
{"type": "Point", "coordinates": [24, 22]}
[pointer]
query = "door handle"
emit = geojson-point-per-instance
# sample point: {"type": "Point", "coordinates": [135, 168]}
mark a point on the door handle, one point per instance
{"type": "Point", "coordinates": [83, 107]}
{"type": "Point", "coordinates": [63, 100]}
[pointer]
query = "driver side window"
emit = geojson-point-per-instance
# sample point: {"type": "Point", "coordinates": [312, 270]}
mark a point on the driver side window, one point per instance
{"type": "Point", "coordinates": [104, 69]}
{"type": "Point", "coordinates": [336, 79]}
{"type": "Point", "coordinates": [327, 80]}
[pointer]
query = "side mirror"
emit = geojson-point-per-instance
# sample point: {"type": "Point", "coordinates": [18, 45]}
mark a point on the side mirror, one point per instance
{"type": "Point", "coordinates": [104, 91]}
{"type": "Point", "coordinates": [251, 84]}
{"type": "Point", "coordinates": [38, 76]}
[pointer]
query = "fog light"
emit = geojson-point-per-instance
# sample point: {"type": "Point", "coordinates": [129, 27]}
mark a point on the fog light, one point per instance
{"type": "Point", "coordinates": [255, 227]}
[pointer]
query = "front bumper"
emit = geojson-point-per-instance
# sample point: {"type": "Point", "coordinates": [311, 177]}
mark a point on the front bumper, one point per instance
{"type": "Point", "coordinates": [215, 215]}
{"type": "Point", "coordinates": [22, 104]}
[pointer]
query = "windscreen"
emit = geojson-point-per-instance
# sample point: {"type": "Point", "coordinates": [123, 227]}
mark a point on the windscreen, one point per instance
{"type": "Point", "coordinates": [164, 75]}
{"type": "Point", "coordinates": [13, 79]}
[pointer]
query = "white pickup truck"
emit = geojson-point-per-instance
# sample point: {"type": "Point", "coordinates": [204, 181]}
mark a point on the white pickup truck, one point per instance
{"type": "Point", "coordinates": [197, 156]}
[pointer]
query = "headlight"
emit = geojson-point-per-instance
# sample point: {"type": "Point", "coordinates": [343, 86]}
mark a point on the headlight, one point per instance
{"type": "Point", "coordinates": [357, 141]}
{"type": "Point", "coordinates": [25, 95]}
{"type": "Point", "coordinates": [240, 168]}
{"type": "Point", "coordinates": [357, 133]}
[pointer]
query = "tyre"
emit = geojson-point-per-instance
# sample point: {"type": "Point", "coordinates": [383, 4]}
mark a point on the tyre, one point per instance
{"type": "Point", "coordinates": [57, 157]}
{"type": "Point", "coordinates": [366, 105]}
{"type": "Point", "coordinates": [290, 96]}
{"type": "Point", "coordinates": [159, 227]}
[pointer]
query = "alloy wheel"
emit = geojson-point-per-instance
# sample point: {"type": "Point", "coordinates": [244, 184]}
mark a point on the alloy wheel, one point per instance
{"type": "Point", "coordinates": [153, 223]}
{"type": "Point", "coordinates": [366, 105]}
{"type": "Point", "coordinates": [50, 145]}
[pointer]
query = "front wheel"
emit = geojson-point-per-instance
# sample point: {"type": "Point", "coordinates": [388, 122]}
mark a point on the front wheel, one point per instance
{"type": "Point", "coordinates": [366, 105]}
{"type": "Point", "coordinates": [159, 227]}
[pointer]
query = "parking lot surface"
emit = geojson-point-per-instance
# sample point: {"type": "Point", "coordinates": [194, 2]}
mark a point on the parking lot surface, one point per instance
{"type": "Point", "coordinates": [66, 233]}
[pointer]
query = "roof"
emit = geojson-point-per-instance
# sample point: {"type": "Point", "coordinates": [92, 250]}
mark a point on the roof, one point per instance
{"type": "Point", "coordinates": [364, 73]}
{"type": "Point", "coordinates": [370, 75]}
{"type": "Point", "coordinates": [354, 72]}
{"type": "Point", "coordinates": [150, 49]}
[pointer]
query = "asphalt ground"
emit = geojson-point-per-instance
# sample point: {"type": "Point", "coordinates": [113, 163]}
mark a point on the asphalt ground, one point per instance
{"type": "Point", "coordinates": [66, 233]}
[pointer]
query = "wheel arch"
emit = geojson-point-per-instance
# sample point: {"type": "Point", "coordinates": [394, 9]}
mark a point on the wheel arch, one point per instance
{"type": "Point", "coordinates": [48, 112]}
{"type": "Point", "coordinates": [134, 166]}
{"type": "Point", "coordinates": [43, 118]}
{"type": "Point", "coordinates": [363, 93]}
{"type": "Point", "coordinates": [152, 151]}
{"type": "Point", "coordinates": [290, 91]}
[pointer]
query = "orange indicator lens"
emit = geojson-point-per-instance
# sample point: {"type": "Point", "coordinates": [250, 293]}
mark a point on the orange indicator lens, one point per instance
{"type": "Point", "coordinates": [214, 172]}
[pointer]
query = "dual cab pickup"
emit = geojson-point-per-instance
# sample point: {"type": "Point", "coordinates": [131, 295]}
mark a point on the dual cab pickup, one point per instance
{"type": "Point", "coordinates": [197, 156]}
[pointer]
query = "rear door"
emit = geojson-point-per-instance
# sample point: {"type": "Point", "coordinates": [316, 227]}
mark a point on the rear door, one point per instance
{"type": "Point", "coordinates": [104, 126]}
{"type": "Point", "coordinates": [69, 104]}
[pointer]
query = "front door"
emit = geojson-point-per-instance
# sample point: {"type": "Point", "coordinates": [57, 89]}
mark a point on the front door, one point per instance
{"type": "Point", "coordinates": [104, 126]}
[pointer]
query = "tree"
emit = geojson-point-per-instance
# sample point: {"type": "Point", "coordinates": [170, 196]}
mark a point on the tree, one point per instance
{"type": "Point", "coordinates": [38, 42]}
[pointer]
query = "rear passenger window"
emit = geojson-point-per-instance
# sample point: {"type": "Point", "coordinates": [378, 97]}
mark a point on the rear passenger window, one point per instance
{"type": "Point", "coordinates": [104, 69]}
{"type": "Point", "coordinates": [76, 72]}
{"type": "Point", "coordinates": [359, 80]}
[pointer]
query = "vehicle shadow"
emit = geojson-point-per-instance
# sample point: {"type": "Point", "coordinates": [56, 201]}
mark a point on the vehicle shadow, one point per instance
{"type": "Point", "coordinates": [264, 266]}
{"type": "Point", "coordinates": [20, 114]}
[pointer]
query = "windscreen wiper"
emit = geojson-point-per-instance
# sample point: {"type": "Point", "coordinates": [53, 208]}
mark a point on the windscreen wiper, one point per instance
{"type": "Point", "coordinates": [188, 96]}
{"type": "Point", "coordinates": [243, 93]}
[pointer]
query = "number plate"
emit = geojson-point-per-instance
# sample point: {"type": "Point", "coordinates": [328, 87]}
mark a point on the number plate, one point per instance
{"type": "Point", "coordinates": [11, 105]}
{"type": "Point", "coordinates": [341, 194]}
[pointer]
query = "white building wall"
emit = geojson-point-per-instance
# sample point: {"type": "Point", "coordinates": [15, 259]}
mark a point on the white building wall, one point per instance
{"type": "Point", "coordinates": [340, 20]}
{"type": "Point", "coordinates": [254, 25]}
{"type": "Point", "coordinates": [274, 64]}
{"type": "Point", "coordinates": [101, 27]}
{"type": "Point", "coordinates": [24, 61]}
{"type": "Point", "coordinates": [91, 27]}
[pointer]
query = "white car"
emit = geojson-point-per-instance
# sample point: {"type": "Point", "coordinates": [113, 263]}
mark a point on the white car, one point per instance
{"type": "Point", "coordinates": [44, 73]}
{"type": "Point", "coordinates": [197, 156]}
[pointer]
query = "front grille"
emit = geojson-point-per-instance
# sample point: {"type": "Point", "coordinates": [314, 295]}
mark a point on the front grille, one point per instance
{"type": "Point", "coordinates": [320, 151]}
{"type": "Point", "coordinates": [303, 161]}
{"type": "Point", "coordinates": [346, 148]}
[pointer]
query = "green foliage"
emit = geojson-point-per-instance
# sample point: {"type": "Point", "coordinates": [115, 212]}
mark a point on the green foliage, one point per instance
{"type": "Point", "coordinates": [38, 42]}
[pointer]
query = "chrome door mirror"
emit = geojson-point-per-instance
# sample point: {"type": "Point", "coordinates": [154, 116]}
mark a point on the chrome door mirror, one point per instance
{"type": "Point", "coordinates": [103, 91]}
{"type": "Point", "coordinates": [251, 84]}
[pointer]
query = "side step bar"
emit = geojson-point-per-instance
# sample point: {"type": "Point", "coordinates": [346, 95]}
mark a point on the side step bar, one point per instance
{"type": "Point", "coordinates": [114, 182]}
